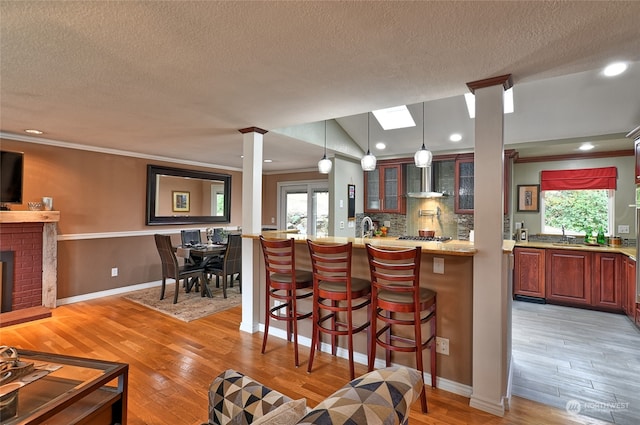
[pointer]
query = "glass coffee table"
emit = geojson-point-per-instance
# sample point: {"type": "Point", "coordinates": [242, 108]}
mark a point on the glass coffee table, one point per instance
{"type": "Point", "coordinates": [66, 390]}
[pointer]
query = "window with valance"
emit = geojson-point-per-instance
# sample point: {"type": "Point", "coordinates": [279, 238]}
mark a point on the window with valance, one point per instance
{"type": "Point", "coordinates": [580, 179]}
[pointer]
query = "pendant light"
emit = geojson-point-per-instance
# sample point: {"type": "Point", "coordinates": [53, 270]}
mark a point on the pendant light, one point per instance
{"type": "Point", "coordinates": [423, 156]}
{"type": "Point", "coordinates": [324, 165]}
{"type": "Point", "coordinates": [368, 161]}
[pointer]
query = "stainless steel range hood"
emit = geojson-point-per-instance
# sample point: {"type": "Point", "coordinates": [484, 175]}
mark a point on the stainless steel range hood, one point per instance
{"type": "Point", "coordinates": [426, 186]}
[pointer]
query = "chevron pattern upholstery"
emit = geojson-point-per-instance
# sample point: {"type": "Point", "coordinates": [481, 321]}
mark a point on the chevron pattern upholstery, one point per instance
{"type": "Point", "coordinates": [380, 397]}
{"type": "Point", "coordinates": [237, 399]}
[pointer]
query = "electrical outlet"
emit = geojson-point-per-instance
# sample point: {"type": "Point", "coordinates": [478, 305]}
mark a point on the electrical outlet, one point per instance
{"type": "Point", "coordinates": [387, 223]}
{"type": "Point", "coordinates": [342, 224]}
{"type": "Point", "coordinates": [438, 265]}
{"type": "Point", "coordinates": [442, 346]}
{"type": "Point", "coordinates": [623, 228]}
{"type": "Point", "coordinates": [277, 303]}
{"type": "Point", "coordinates": [114, 272]}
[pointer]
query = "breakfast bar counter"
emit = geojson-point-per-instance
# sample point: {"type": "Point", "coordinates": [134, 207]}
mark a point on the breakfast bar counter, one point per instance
{"type": "Point", "coordinates": [446, 268]}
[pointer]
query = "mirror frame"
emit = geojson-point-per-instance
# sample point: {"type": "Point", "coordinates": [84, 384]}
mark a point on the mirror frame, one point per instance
{"type": "Point", "coordinates": [154, 170]}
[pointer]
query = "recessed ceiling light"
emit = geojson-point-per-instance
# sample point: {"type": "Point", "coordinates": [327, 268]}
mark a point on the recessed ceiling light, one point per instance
{"type": "Point", "coordinates": [455, 137]}
{"type": "Point", "coordinates": [33, 131]}
{"type": "Point", "coordinates": [614, 69]}
{"type": "Point", "coordinates": [380, 146]}
{"type": "Point", "coordinates": [396, 117]}
{"type": "Point", "coordinates": [268, 160]}
{"type": "Point", "coordinates": [586, 146]}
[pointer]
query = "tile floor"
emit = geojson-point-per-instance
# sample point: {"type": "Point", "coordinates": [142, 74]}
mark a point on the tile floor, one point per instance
{"type": "Point", "coordinates": [587, 360]}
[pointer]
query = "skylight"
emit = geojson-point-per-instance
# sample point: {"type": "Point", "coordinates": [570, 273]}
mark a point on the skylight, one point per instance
{"type": "Point", "coordinates": [393, 118]}
{"type": "Point", "coordinates": [470, 99]}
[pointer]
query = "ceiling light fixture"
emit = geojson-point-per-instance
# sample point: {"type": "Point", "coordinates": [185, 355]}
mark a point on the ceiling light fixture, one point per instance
{"type": "Point", "coordinates": [368, 162]}
{"type": "Point", "coordinates": [455, 137]}
{"type": "Point", "coordinates": [33, 131]}
{"type": "Point", "coordinates": [615, 69]}
{"type": "Point", "coordinates": [380, 146]}
{"type": "Point", "coordinates": [586, 146]}
{"type": "Point", "coordinates": [324, 165]}
{"type": "Point", "coordinates": [423, 156]}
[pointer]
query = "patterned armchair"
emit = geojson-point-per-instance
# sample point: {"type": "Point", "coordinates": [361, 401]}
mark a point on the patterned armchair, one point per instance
{"type": "Point", "coordinates": [382, 397]}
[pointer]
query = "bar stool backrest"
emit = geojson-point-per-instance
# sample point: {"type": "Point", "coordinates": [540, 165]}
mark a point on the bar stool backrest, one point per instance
{"type": "Point", "coordinates": [331, 263]}
{"type": "Point", "coordinates": [395, 270]}
{"type": "Point", "coordinates": [279, 256]}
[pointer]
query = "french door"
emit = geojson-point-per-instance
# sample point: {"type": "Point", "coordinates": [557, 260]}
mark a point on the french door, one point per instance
{"type": "Point", "coordinates": [304, 206]}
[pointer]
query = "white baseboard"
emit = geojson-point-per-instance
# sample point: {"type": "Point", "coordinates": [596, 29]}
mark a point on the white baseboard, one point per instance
{"type": "Point", "coordinates": [109, 292]}
{"type": "Point", "coordinates": [361, 358]}
{"type": "Point", "coordinates": [487, 406]}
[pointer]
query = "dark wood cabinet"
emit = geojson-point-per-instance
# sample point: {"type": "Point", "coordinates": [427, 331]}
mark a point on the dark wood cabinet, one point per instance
{"type": "Point", "coordinates": [629, 297]}
{"type": "Point", "coordinates": [607, 291]}
{"type": "Point", "coordinates": [568, 276]}
{"type": "Point", "coordinates": [464, 176]}
{"type": "Point", "coordinates": [529, 272]}
{"type": "Point", "coordinates": [464, 181]}
{"type": "Point", "coordinates": [384, 189]}
{"type": "Point", "coordinates": [637, 148]}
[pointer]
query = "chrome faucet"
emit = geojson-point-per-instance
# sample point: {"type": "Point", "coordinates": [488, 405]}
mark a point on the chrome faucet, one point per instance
{"type": "Point", "coordinates": [369, 232]}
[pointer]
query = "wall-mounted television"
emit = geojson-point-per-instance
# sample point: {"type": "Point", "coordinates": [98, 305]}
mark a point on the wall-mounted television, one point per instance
{"type": "Point", "coordinates": [11, 177]}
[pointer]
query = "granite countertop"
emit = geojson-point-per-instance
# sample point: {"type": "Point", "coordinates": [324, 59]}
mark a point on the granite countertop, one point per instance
{"type": "Point", "coordinates": [451, 247]}
{"type": "Point", "coordinates": [629, 251]}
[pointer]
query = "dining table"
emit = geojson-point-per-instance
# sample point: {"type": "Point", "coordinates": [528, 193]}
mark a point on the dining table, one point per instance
{"type": "Point", "coordinates": [201, 255]}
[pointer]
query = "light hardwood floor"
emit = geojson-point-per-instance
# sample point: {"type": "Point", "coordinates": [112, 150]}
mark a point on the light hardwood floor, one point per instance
{"type": "Point", "coordinates": [172, 364]}
{"type": "Point", "coordinates": [562, 354]}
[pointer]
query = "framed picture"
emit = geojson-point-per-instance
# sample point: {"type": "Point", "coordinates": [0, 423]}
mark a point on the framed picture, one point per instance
{"type": "Point", "coordinates": [180, 201]}
{"type": "Point", "coordinates": [528, 198]}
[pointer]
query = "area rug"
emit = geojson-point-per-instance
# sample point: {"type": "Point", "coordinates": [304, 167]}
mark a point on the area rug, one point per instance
{"type": "Point", "coordinates": [190, 306]}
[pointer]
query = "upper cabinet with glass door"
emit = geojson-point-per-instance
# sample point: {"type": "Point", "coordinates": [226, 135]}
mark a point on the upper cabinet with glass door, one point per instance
{"type": "Point", "coordinates": [384, 188]}
{"type": "Point", "coordinates": [464, 182]}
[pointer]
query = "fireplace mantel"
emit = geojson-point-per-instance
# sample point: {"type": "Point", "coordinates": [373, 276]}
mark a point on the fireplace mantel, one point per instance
{"type": "Point", "coordinates": [29, 216]}
{"type": "Point", "coordinates": [49, 247]}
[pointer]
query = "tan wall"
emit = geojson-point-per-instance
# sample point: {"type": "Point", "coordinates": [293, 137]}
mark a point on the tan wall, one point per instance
{"type": "Point", "coordinates": [101, 193]}
{"type": "Point", "coordinates": [270, 190]}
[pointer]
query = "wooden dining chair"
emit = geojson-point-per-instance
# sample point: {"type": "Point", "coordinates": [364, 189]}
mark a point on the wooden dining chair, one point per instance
{"type": "Point", "coordinates": [398, 300]}
{"type": "Point", "coordinates": [171, 269]}
{"type": "Point", "coordinates": [231, 264]}
{"type": "Point", "coordinates": [286, 285]}
{"type": "Point", "coordinates": [336, 297]}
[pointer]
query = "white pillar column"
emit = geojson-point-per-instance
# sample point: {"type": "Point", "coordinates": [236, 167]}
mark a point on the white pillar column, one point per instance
{"type": "Point", "coordinates": [251, 224]}
{"type": "Point", "coordinates": [489, 325]}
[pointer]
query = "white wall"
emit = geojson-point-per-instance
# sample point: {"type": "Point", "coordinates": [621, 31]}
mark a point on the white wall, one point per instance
{"type": "Point", "coordinates": [345, 171]}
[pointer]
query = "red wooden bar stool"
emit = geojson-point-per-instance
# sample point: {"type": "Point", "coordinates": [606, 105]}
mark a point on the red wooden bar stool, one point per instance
{"type": "Point", "coordinates": [395, 288]}
{"type": "Point", "coordinates": [336, 295]}
{"type": "Point", "coordinates": [286, 284]}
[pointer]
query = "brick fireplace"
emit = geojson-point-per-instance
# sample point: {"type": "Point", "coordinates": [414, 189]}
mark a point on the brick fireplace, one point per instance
{"type": "Point", "coordinates": [28, 243]}
{"type": "Point", "coordinates": [24, 240]}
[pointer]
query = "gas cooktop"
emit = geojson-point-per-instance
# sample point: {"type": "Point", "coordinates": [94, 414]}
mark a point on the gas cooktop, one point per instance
{"type": "Point", "coordinates": [426, 238]}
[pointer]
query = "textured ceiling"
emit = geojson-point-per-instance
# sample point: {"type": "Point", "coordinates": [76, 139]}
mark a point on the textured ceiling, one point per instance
{"type": "Point", "coordinates": [178, 79]}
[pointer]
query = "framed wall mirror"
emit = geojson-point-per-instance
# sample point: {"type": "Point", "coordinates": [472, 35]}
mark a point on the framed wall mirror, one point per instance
{"type": "Point", "coordinates": [179, 196]}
